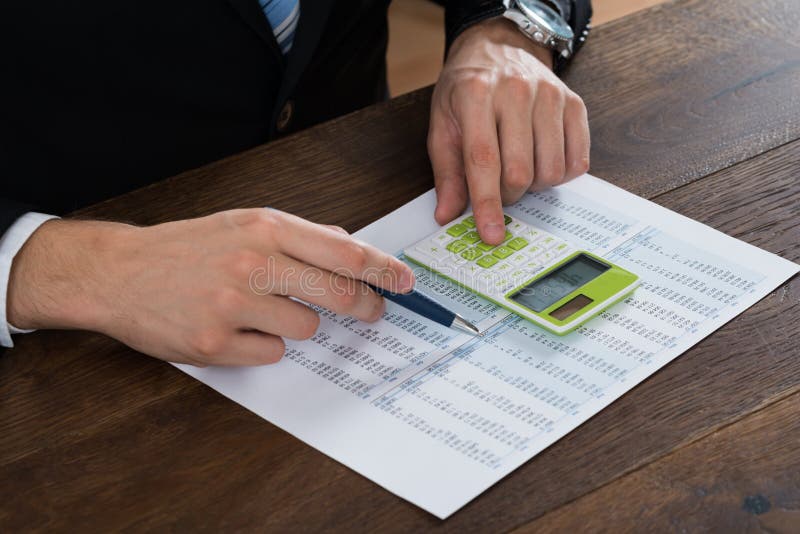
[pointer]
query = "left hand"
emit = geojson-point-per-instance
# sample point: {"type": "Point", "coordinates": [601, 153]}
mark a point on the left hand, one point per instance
{"type": "Point", "coordinates": [501, 124]}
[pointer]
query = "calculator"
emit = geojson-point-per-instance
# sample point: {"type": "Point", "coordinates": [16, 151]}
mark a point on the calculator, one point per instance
{"type": "Point", "coordinates": [532, 273]}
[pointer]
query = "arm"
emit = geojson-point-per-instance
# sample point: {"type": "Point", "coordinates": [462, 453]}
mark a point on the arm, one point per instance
{"type": "Point", "coordinates": [17, 223]}
{"type": "Point", "coordinates": [11, 242]}
{"type": "Point", "coordinates": [502, 123]}
{"type": "Point", "coordinates": [214, 290]}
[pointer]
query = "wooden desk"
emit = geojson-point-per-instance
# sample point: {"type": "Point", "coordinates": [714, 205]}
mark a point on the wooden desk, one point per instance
{"type": "Point", "coordinates": [693, 104]}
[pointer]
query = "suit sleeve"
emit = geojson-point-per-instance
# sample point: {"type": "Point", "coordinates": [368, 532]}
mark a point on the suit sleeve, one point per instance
{"type": "Point", "coordinates": [461, 14]}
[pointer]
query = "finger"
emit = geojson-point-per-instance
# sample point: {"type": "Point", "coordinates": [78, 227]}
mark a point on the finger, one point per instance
{"type": "Point", "coordinates": [481, 155]}
{"type": "Point", "coordinates": [516, 153]}
{"type": "Point", "coordinates": [444, 149]}
{"type": "Point", "coordinates": [249, 348]}
{"type": "Point", "coordinates": [548, 134]}
{"type": "Point", "coordinates": [576, 137]}
{"type": "Point", "coordinates": [318, 246]}
{"type": "Point", "coordinates": [336, 229]}
{"type": "Point", "coordinates": [337, 293]}
{"type": "Point", "coordinates": [280, 316]}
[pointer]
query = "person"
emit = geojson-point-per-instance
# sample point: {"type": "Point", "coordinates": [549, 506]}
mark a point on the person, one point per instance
{"type": "Point", "coordinates": [102, 97]}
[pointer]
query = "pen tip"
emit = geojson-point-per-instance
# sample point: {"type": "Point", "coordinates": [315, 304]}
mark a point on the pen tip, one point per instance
{"type": "Point", "coordinates": [462, 324]}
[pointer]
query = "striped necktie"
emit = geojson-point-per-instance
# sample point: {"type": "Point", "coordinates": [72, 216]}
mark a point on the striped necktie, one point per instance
{"type": "Point", "coordinates": [282, 16]}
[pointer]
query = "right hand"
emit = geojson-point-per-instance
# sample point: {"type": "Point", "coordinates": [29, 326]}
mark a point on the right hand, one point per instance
{"type": "Point", "coordinates": [208, 291]}
{"type": "Point", "coordinates": [501, 124]}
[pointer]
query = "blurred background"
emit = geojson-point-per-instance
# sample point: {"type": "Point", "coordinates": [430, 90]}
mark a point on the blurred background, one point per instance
{"type": "Point", "coordinates": [416, 38]}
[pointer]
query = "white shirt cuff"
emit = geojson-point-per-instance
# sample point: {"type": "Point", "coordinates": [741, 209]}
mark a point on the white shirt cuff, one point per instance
{"type": "Point", "coordinates": [10, 243]}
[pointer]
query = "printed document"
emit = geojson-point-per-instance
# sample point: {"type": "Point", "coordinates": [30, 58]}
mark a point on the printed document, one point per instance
{"type": "Point", "coordinates": [437, 416]}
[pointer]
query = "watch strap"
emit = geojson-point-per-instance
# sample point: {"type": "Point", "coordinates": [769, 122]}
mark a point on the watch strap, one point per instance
{"type": "Point", "coordinates": [580, 20]}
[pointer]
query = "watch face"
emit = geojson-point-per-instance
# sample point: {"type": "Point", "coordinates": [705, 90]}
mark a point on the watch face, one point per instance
{"type": "Point", "coordinates": [545, 15]}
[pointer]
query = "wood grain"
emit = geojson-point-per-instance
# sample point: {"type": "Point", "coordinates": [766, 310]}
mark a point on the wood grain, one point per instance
{"type": "Point", "coordinates": [745, 477]}
{"type": "Point", "coordinates": [96, 435]}
{"type": "Point", "coordinates": [707, 85]}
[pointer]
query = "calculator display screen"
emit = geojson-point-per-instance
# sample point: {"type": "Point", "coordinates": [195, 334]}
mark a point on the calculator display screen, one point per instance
{"type": "Point", "coordinates": [547, 290]}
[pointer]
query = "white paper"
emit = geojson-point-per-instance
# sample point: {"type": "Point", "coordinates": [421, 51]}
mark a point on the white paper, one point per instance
{"type": "Point", "coordinates": [436, 416]}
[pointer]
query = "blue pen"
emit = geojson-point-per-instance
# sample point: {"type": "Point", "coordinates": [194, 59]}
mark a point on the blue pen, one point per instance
{"type": "Point", "coordinates": [429, 308]}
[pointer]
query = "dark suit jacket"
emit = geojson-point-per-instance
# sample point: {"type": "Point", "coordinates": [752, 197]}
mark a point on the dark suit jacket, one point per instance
{"type": "Point", "coordinates": [100, 97]}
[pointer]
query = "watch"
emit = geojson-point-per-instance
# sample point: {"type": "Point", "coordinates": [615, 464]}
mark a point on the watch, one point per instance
{"type": "Point", "coordinates": [542, 24]}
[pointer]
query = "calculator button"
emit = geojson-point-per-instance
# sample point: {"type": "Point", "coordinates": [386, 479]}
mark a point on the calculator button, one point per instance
{"type": "Point", "coordinates": [469, 222]}
{"type": "Point", "coordinates": [507, 236]}
{"type": "Point", "coordinates": [471, 237]}
{"type": "Point", "coordinates": [486, 247]}
{"type": "Point", "coordinates": [503, 281]}
{"type": "Point", "coordinates": [502, 285]}
{"type": "Point", "coordinates": [516, 227]}
{"type": "Point", "coordinates": [547, 242]}
{"type": "Point", "coordinates": [507, 219]}
{"type": "Point", "coordinates": [503, 268]}
{"type": "Point", "coordinates": [442, 238]}
{"type": "Point", "coordinates": [457, 229]}
{"type": "Point", "coordinates": [535, 235]}
{"type": "Point", "coordinates": [559, 252]}
{"type": "Point", "coordinates": [518, 243]}
{"type": "Point", "coordinates": [534, 251]}
{"type": "Point", "coordinates": [561, 249]}
{"type": "Point", "coordinates": [547, 256]}
{"type": "Point", "coordinates": [457, 246]}
{"type": "Point", "coordinates": [434, 250]}
{"type": "Point", "coordinates": [518, 259]}
{"type": "Point", "coordinates": [487, 261]}
{"type": "Point", "coordinates": [534, 265]}
{"type": "Point", "coordinates": [503, 252]}
{"type": "Point", "coordinates": [471, 254]}
{"type": "Point", "coordinates": [519, 277]}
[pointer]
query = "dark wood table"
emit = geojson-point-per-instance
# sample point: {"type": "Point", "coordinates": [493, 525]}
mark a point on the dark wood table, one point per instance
{"type": "Point", "coordinates": [693, 104]}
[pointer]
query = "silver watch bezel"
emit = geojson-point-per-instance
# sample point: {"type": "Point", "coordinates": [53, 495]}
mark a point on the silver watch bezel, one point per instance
{"type": "Point", "coordinates": [537, 28]}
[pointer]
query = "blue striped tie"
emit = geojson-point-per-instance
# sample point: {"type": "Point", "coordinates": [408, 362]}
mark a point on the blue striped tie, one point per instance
{"type": "Point", "coordinates": [282, 16]}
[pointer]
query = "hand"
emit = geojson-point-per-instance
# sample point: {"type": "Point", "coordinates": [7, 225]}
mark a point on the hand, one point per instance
{"type": "Point", "coordinates": [213, 290]}
{"type": "Point", "coordinates": [501, 124]}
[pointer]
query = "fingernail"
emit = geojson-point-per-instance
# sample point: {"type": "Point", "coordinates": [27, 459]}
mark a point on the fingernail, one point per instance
{"type": "Point", "coordinates": [494, 231]}
{"type": "Point", "coordinates": [377, 311]}
{"type": "Point", "coordinates": [406, 280]}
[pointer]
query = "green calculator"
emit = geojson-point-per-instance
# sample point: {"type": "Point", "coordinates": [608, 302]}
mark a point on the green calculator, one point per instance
{"type": "Point", "coordinates": [532, 273]}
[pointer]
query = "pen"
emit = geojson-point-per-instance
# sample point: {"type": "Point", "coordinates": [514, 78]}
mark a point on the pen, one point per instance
{"type": "Point", "coordinates": [429, 308]}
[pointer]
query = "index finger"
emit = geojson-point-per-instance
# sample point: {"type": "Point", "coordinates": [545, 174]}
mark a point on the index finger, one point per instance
{"type": "Point", "coordinates": [482, 165]}
{"type": "Point", "coordinates": [321, 246]}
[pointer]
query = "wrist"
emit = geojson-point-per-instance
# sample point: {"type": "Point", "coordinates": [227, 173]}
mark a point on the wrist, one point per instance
{"type": "Point", "coordinates": [63, 276]}
{"type": "Point", "coordinates": [502, 31]}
